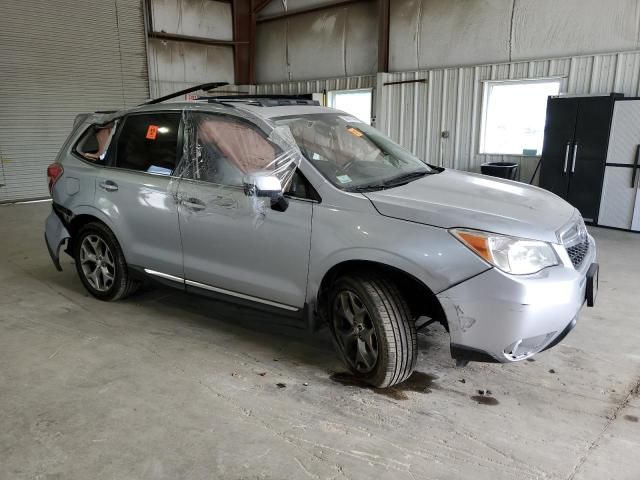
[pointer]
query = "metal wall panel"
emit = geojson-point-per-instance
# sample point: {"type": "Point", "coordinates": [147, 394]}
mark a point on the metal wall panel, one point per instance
{"type": "Point", "coordinates": [178, 65]}
{"type": "Point", "coordinates": [427, 34]}
{"type": "Point", "coordinates": [431, 33]}
{"type": "Point", "coordinates": [440, 120]}
{"type": "Point", "coordinates": [59, 59]}
{"type": "Point", "coordinates": [549, 28]}
{"type": "Point", "coordinates": [339, 41]}
{"type": "Point", "coordinates": [195, 18]}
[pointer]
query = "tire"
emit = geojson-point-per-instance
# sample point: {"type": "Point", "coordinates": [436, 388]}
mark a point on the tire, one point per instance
{"type": "Point", "coordinates": [387, 317]}
{"type": "Point", "coordinates": [109, 280]}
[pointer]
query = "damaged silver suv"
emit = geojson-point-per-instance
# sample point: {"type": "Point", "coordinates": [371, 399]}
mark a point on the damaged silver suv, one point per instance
{"type": "Point", "coordinates": [303, 210]}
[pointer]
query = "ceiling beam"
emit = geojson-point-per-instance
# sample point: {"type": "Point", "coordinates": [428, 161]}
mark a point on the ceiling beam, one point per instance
{"type": "Point", "coordinates": [383, 35]}
{"type": "Point", "coordinates": [244, 35]}
{"type": "Point", "coordinates": [190, 39]}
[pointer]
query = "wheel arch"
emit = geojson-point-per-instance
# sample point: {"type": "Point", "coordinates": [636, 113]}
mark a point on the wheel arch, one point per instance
{"type": "Point", "coordinates": [83, 217]}
{"type": "Point", "coordinates": [421, 299]}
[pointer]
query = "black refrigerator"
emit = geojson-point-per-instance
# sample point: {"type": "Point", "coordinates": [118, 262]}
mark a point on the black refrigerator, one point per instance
{"type": "Point", "coordinates": [574, 153]}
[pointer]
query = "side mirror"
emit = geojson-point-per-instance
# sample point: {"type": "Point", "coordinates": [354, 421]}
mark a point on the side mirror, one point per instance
{"type": "Point", "coordinates": [262, 184]}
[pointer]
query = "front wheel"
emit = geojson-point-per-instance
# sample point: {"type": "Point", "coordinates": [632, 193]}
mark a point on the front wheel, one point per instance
{"type": "Point", "coordinates": [373, 329]}
{"type": "Point", "coordinates": [100, 263]}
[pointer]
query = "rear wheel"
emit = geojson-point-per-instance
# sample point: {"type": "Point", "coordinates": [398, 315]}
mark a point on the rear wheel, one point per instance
{"type": "Point", "coordinates": [100, 263]}
{"type": "Point", "coordinates": [373, 329]}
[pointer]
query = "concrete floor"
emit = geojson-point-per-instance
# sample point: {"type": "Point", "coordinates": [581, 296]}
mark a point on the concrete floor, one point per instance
{"type": "Point", "coordinates": [164, 385]}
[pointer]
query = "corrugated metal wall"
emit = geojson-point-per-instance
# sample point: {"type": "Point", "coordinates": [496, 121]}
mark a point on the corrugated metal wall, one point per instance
{"type": "Point", "coordinates": [58, 59]}
{"type": "Point", "coordinates": [314, 86]}
{"type": "Point", "coordinates": [416, 114]}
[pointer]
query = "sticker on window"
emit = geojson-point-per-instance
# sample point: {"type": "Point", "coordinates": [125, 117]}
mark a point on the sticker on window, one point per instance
{"type": "Point", "coordinates": [344, 178]}
{"type": "Point", "coordinates": [354, 131]}
{"type": "Point", "coordinates": [350, 119]}
{"type": "Point", "coordinates": [152, 132]}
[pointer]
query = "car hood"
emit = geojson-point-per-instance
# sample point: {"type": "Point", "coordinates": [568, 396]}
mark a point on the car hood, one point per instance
{"type": "Point", "coordinates": [459, 199]}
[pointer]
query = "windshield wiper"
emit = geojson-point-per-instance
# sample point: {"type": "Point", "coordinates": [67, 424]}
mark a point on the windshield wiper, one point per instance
{"type": "Point", "coordinates": [367, 188]}
{"type": "Point", "coordinates": [406, 178]}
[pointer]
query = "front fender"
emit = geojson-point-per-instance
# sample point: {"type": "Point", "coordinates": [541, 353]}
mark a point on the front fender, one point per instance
{"type": "Point", "coordinates": [373, 255]}
{"type": "Point", "coordinates": [429, 254]}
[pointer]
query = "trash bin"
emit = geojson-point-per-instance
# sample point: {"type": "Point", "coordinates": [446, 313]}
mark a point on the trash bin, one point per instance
{"type": "Point", "coordinates": [500, 169]}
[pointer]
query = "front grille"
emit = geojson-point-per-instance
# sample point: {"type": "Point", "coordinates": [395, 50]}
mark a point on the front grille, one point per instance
{"type": "Point", "coordinates": [578, 252]}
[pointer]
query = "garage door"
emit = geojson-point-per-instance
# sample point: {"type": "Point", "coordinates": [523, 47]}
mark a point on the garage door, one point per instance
{"type": "Point", "coordinates": [58, 59]}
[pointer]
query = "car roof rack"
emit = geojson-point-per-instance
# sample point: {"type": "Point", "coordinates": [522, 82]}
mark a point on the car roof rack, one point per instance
{"type": "Point", "coordinates": [263, 100]}
{"type": "Point", "coordinates": [204, 86]}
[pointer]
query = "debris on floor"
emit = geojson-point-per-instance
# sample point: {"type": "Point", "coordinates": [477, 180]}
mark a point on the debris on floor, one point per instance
{"type": "Point", "coordinates": [484, 398]}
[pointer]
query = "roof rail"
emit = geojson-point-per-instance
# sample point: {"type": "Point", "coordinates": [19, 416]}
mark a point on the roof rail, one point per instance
{"type": "Point", "coordinates": [204, 86]}
{"type": "Point", "coordinates": [263, 100]}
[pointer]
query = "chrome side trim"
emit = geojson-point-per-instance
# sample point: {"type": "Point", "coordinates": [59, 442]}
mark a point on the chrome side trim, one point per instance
{"type": "Point", "coordinates": [240, 295]}
{"type": "Point", "coordinates": [163, 275]}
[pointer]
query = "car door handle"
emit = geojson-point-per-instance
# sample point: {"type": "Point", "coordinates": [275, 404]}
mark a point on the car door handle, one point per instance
{"type": "Point", "coordinates": [193, 204]}
{"type": "Point", "coordinates": [108, 186]}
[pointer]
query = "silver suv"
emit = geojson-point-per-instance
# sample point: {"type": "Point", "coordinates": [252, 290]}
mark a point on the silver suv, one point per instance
{"type": "Point", "coordinates": [303, 210]}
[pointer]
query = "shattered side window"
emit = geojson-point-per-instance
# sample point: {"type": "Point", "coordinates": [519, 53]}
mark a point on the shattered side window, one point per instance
{"type": "Point", "coordinates": [94, 143]}
{"type": "Point", "coordinates": [247, 162]}
{"type": "Point", "coordinates": [229, 150]}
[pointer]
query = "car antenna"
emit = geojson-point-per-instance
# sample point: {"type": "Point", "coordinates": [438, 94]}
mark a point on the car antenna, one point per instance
{"type": "Point", "coordinates": [204, 86]}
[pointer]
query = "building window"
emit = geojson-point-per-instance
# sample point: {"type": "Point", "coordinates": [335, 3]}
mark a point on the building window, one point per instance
{"type": "Point", "coordinates": [513, 116]}
{"type": "Point", "coordinates": [354, 102]}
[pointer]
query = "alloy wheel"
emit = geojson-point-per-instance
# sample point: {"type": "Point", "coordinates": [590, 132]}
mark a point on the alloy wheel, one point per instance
{"type": "Point", "coordinates": [97, 263]}
{"type": "Point", "coordinates": [354, 331]}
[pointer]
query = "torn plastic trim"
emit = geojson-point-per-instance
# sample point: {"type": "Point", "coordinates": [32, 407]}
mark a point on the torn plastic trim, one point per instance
{"type": "Point", "coordinates": [465, 354]}
{"type": "Point", "coordinates": [55, 235]}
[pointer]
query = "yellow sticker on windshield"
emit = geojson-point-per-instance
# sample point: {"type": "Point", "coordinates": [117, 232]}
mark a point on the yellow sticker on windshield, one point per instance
{"type": "Point", "coordinates": [355, 131]}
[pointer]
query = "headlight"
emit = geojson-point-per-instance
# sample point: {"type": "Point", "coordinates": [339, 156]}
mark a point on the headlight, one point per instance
{"type": "Point", "coordinates": [510, 254]}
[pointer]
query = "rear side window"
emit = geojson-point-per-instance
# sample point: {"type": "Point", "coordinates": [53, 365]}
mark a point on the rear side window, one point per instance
{"type": "Point", "coordinates": [94, 143]}
{"type": "Point", "coordinates": [149, 143]}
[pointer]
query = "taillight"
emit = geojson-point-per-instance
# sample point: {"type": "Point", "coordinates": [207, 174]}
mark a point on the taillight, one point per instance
{"type": "Point", "coordinates": [54, 172]}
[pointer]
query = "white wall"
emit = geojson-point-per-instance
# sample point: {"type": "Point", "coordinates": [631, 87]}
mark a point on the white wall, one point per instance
{"type": "Point", "coordinates": [176, 65]}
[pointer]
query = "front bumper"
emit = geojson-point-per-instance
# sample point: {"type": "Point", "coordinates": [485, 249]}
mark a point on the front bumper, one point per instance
{"type": "Point", "coordinates": [505, 318]}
